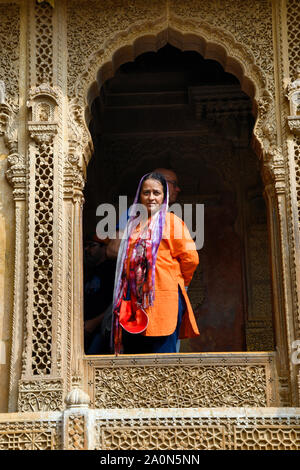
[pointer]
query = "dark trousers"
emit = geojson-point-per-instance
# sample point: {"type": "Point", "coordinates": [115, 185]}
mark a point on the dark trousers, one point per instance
{"type": "Point", "coordinates": [140, 344]}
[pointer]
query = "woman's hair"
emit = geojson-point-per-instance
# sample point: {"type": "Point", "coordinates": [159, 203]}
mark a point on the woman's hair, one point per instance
{"type": "Point", "coordinates": [158, 177]}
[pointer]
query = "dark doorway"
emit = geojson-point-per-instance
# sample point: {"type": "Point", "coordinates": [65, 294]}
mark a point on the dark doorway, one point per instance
{"type": "Point", "coordinates": [177, 110]}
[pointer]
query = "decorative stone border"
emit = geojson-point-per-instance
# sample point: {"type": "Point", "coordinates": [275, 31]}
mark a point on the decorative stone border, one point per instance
{"type": "Point", "coordinates": [80, 428]}
{"type": "Point", "coordinates": [183, 380]}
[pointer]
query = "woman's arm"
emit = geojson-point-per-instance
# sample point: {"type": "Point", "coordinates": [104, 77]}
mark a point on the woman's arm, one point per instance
{"type": "Point", "coordinates": [183, 248]}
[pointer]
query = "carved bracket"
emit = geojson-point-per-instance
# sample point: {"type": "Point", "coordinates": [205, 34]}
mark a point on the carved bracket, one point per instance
{"type": "Point", "coordinates": [80, 139]}
{"type": "Point", "coordinates": [73, 176]}
{"type": "Point", "coordinates": [80, 151]}
{"type": "Point", "coordinates": [16, 170]}
{"type": "Point", "coordinates": [293, 95]}
{"type": "Point", "coordinates": [273, 169]}
{"type": "Point", "coordinates": [4, 117]}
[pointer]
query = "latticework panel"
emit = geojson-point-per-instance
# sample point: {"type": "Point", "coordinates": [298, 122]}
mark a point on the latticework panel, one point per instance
{"type": "Point", "coordinates": [44, 43]}
{"type": "Point", "coordinates": [43, 262]}
{"type": "Point", "coordinates": [26, 440]}
{"type": "Point", "coordinates": [267, 438]}
{"type": "Point", "coordinates": [163, 438]}
{"type": "Point", "coordinates": [293, 30]}
{"type": "Point", "coordinates": [33, 433]}
{"type": "Point", "coordinates": [206, 432]}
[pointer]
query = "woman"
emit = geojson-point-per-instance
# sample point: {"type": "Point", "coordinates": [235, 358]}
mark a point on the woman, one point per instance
{"type": "Point", "coordinates": [156, 262]}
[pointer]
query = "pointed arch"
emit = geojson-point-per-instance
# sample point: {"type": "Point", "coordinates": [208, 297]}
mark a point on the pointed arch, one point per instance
{"type": "Point", "coordinates": [211, 42]}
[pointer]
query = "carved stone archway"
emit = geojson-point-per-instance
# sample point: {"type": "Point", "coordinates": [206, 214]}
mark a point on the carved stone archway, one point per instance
{"type": "Point", "coordinates": [57, 56]}
{"type": "Point", "coordinates": [210, 42]}
{"type": "Point", "coordinates": [236, 58]}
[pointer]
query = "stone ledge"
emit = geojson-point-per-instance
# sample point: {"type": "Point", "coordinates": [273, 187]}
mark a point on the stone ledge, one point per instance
{"type": "Point", "coordinates": [145, 429]}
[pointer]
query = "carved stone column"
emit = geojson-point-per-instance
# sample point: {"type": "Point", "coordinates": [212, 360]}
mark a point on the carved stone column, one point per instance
{"type": "Point", "coordinates": [52, 347]}
{"type": "Point", "coordinates": [293, 94]}
{"type": "Point", "coordinates": [16, 174]}
{"type": "Point", "coordinates": [79, 152]}
{"type": "Point", "coordinates": [42, 378]}
{"type": "Point", "coordinates": [40, 387]}
{"type": "Point", "coordinates": [275, 193]}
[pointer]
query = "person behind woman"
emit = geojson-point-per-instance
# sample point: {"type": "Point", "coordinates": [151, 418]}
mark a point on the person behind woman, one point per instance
{"type": "Point", "coordinates": [156, 262]}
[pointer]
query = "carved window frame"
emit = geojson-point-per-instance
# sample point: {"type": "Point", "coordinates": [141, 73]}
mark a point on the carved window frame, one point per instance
{"type": "Point", "coordinates": [254, 85]}
{"type": "Point", "coordinates": [68, 88]}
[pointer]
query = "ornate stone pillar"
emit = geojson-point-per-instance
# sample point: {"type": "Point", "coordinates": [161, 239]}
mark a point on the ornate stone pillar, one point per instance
{"type": "Point", "coordinates": [288, 47]}
{"type": "Point", "coordinates": [293, 145]}
{"type": "Point", "coordinates": [274, 181]}
{"type": "Point", "coordinates": [16, 175]}
{"type": "Point", "coordinates": [51, 342]}
{"type": "Point", "coordinates": [44, 366]}
{"type": "Point", "coordinates": [38, 388]}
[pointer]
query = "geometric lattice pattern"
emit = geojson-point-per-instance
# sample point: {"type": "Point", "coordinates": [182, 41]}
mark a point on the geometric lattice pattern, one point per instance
{"type": "Point", "coordinates": [293, 31]}
{"type": "Point", "coordinates": [43, 262]}
{"type": "Point", "coordinates": [268, 438]}
{"type": "Point", "coordinates": [26, 440]}
{"type": "Point", "coordinates": [206, 432]}
{"type": "Point", "coordinates": [44, 45]}
{"type": "Point", "coordinates": [76, 432]}
{"type": "Point", "coordinates": [164, 438]}
{"type": "Point", "coordinates": [43, 232]}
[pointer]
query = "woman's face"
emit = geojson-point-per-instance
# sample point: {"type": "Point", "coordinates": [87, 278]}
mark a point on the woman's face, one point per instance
{"type": "Point", "coordinates": [152, 195]}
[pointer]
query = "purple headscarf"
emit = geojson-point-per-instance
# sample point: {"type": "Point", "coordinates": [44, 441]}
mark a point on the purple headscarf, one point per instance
{"type": "Point", "coordinates": [156, 224]}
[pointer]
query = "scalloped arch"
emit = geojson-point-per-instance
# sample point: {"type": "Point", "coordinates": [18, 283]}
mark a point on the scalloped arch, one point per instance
{"type": "Point", "coordinates": [211, 43]}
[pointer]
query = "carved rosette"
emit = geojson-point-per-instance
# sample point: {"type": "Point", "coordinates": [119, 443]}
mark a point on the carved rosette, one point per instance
{"type": "Point", "coordinates": [29, 435]}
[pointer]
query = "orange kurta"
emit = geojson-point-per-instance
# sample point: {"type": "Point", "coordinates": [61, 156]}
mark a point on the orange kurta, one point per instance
{"type": "Point", "coordinates": [176, 262]}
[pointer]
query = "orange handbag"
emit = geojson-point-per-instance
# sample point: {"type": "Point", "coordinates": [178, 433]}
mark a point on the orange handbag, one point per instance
{"type": "Point", "coordinates": [133, 322]}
